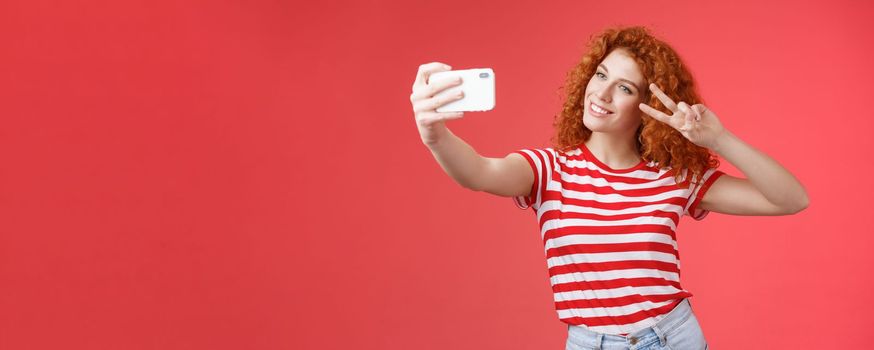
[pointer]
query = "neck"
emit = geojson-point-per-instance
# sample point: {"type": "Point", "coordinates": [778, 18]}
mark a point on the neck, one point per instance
{"type": "Point", "coordinates": [616, 152]}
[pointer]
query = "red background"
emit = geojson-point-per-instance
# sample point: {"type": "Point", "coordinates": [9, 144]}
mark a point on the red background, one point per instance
{"type": "Point", "coordinates": [248, 174]}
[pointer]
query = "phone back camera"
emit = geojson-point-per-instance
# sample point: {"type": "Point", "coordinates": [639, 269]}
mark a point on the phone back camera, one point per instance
{"type": "Point", "coordinates": [484, 75]}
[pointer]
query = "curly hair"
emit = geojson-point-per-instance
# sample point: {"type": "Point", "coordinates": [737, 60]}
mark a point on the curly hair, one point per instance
{"type": "Point", "coordinates": [661, 65]}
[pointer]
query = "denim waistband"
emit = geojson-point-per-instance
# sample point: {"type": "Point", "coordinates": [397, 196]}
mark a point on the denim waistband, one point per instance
{"type": "Point", "coordinates": [671, 320]}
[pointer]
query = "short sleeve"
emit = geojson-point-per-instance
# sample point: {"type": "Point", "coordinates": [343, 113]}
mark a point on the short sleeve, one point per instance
{"type": "Point", "coordinates": [700, 188]}
{"type": "Point", "coordinates": [541, 161]}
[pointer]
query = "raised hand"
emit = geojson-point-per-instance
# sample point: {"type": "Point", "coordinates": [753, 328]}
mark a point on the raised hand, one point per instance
{"type": "Point", "coordinates": [697, 123]}
{"type": "Point", "coordinates": [430, 122]}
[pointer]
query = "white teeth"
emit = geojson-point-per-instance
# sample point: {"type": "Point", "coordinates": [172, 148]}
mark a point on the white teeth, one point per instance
{"type": "Point", "coordinates": [599, 109]}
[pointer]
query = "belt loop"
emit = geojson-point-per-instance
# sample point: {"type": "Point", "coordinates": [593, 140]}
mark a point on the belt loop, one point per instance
{"type": "Point", "coordinates": [660, 333]}
{"type": "Point", "coordinates": [598, 340]}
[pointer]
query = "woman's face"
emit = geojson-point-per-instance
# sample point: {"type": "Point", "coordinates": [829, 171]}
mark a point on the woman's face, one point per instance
{"type": "Point", "coordinates": [613, 95]}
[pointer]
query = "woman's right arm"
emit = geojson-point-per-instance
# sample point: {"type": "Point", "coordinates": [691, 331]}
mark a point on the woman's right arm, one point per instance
{"type": "Point", "coordinates": [508, 177]}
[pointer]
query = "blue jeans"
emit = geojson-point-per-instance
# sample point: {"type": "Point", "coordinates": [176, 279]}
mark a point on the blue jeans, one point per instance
{"type": "Point", "coordinates": [678, 330]}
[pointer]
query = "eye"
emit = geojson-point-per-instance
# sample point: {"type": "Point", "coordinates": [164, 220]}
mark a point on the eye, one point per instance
{"type": "Point", "coordinates": [626, 89]}
{"type": "Point", "coordinates": [600, 75]}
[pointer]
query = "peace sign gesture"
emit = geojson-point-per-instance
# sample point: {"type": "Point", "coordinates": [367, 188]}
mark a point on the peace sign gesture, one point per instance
{"type": "Point", "coordinates": [697, 123]}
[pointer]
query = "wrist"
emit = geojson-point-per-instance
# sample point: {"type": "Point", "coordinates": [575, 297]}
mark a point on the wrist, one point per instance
{"type": "Point", "coordinates": [436, 135]}
{"type": "Point", "coordinates": [724, 138]}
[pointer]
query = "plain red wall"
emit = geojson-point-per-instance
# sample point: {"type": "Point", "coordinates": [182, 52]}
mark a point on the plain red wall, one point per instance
{"type": "Point", "coordinates": [248, 174]}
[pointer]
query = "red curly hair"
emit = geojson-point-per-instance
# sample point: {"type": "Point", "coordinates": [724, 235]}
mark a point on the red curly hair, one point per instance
{"type": "Point", "coordinates": [659, 64]}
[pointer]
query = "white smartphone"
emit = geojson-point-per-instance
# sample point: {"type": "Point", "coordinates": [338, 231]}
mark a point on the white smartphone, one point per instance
{"type": "Point", "coordinates": [478, 85]}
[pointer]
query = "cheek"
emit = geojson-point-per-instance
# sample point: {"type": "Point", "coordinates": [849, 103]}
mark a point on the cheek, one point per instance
{"type": "Point", "coordinates": [629, 108]}
{"type": "Point", "coordinates": [594, 84]}
{"type": "Point", "coordinates": [588, 89]}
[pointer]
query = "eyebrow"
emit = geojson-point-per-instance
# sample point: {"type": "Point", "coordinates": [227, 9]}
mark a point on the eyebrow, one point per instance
{"type": "Point", "coordinates": [623, 79]}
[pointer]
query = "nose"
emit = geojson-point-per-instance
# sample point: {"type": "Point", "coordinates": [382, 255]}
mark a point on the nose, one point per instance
{"type": "Point", "coordinates": [603, 94]}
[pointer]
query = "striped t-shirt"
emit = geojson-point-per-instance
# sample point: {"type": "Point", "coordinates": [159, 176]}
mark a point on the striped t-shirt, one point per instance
{"type": "Point", "coordinates": [609, 236]}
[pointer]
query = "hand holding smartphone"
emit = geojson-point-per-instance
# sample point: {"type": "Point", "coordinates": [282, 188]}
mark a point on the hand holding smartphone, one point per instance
{"type": "Point", "coordinates": [478, 86]}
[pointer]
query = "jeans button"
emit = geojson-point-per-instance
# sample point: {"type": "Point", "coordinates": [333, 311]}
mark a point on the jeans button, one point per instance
{"type": "Point", "coordinates": [633, 340]}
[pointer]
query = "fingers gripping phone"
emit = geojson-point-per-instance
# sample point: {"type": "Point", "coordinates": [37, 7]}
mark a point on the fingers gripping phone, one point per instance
{"type": "Point", "coordinates": [478, 85]}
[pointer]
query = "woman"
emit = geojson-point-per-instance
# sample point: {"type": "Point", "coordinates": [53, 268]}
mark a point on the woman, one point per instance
{"type": "Point", "coordinates": [634, 151]}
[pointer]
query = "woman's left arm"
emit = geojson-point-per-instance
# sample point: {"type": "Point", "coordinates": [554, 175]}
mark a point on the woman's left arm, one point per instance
{"type": "Point", "coordinates": [769, 188]}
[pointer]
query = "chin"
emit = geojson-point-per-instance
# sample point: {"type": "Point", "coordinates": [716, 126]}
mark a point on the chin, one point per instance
{"type": "Point", "coordinates": [593, 123]}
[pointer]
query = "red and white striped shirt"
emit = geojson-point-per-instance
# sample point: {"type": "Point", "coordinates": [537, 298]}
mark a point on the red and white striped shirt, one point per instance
{"type": "Point", "coordinates": [609, 236]}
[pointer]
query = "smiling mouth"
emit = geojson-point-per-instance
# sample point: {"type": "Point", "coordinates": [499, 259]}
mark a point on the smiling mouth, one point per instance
{"type": "Point", "coordinates": [597, 109]}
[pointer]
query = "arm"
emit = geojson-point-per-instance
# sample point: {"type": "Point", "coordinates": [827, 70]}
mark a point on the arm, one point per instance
{"type": "Point", "coordinates": [508, 177]}
{"type": "Point", "coordinates": [769, 189]}
{"type": "Point", "coordinates": [458, 159]}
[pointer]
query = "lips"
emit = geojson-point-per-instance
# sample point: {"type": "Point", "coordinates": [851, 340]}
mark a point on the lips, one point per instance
{"type": "Point", "coordinates": [598, 110]}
